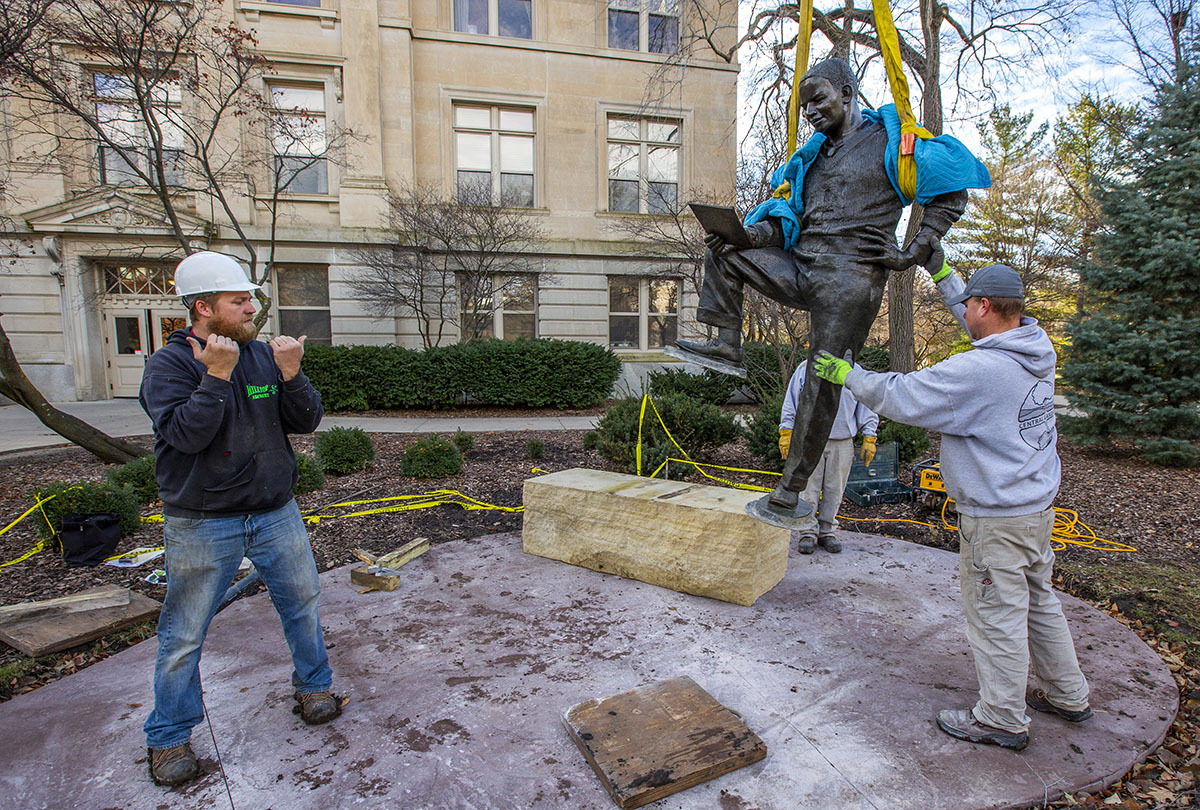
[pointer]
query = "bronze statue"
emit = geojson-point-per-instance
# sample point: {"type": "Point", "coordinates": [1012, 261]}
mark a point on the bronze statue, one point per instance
{"type": "Point", "coordinates": [830, 257]}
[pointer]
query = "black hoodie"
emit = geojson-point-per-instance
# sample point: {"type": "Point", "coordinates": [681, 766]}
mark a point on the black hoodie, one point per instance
{"type": "Point", "coordinates": [221, 447]}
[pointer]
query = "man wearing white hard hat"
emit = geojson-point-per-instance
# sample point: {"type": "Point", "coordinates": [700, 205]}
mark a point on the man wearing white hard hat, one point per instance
{"type": "Point", "coordinates": [994, 406]}
{"type": "Point", "coordinates": [223, 405]}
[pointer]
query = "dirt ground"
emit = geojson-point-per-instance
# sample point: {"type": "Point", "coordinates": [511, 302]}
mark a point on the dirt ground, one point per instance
{"type": "Point", "coordinates": [1153, 589]}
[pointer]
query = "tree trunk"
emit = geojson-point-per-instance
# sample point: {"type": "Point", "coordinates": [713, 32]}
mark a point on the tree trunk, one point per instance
{"type": "Point", "coordinates": [901, 343]}
{"type": "Point", "coordinates": [17, 387]}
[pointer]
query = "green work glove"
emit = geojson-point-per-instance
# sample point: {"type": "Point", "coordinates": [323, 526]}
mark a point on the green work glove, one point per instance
{"type": "Point", "coordinates": [831, 368]}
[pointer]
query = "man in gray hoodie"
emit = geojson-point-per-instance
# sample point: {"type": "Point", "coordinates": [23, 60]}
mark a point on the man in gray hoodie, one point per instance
{"type": "Point", "coordinates": [994, 407]}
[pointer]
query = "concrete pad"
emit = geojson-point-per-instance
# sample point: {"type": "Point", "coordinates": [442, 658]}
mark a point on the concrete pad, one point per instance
{"type": "Point", "coordinates": [458, 680]}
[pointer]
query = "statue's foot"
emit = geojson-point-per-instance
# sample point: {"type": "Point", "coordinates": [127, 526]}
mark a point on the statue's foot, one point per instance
{"type": "Point", "coordinates": [715, 349]}
{"type": "Point", "coordinates": [783, 500]}
{"type": "Point", "coordinates": [768, 510]}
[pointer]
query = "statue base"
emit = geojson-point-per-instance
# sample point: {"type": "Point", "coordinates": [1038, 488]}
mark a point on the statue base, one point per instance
{"type": "Point", "coordinates": [718, 366]}
{"type": "Point", "coordinates": [761, 509]}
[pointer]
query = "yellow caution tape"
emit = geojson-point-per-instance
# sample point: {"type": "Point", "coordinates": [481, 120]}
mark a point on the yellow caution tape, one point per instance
{"type": "Point", "coordinates": [1068, 528]}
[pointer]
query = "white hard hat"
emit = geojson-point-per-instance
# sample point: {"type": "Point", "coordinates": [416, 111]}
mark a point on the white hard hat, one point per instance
{"type": "Point", "coordinates": [208, 272]}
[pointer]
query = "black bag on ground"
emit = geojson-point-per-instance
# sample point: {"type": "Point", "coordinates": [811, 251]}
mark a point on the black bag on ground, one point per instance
{"type": "Point", "coordinates": [86, 540]}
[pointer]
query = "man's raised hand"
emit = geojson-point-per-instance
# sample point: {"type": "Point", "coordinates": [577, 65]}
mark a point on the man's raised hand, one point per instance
{"type": "Point", "coordinates": [288, 351]}
{"type": "Point", "coordinates": [219, 354]}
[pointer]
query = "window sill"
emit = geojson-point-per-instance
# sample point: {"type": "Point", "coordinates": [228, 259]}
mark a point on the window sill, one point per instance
{"type": "Point", "coordinates": [632, 215]}
{"type": "Point", "coordinates": [252, 9]}
{"type": "Point", "coordinates": [644, 356]}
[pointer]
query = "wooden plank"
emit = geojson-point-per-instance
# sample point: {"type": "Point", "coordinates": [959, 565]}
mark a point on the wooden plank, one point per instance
{"type": "Point", "coordinates": [371, 581]}
{"type": "Point", "coordinates": [102, 597]}
{"type": "Point", "coordinates": [657, 740]}
{"type": "Point", "coordinates": [49, 634]}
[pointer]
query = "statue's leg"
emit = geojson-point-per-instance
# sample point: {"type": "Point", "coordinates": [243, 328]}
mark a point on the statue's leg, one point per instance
{"type": "Point", "coordinates": [771, 271]}
{"type": "Point", "coordinates": [845, 303]}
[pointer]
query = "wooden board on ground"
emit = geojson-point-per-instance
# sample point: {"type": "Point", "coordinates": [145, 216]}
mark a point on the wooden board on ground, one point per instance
{"type": "Point", "coordinates": [381, 579]}
{"type": "Point", "coordinates": [657, 740]}
{"type": "Point", "coordinates": [46, 633]}
{"type": "Point", "coordinates": [102, 597]}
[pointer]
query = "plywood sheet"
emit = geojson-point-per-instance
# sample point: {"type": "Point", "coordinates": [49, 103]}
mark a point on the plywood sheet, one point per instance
{"type": "Point", "coordinates": [650, 742]}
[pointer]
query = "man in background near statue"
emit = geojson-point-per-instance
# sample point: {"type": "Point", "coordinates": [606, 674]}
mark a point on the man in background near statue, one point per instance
{"type": "Point", "coordinates": [827, 484]}
{"type": "Point", "coordinates": [223, 404]}
{"type": "Point", "coordinates": [994, 406]}
{"type": "Point", "coordinates": [825, 244]}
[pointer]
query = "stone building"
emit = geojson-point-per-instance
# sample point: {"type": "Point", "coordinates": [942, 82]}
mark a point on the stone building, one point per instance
{"type": "Point", "coordinates": [545, 100]}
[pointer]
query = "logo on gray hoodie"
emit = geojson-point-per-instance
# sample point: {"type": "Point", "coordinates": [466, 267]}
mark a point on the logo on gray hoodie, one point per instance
{"type": "Point", "coordinates": [1036, 417]}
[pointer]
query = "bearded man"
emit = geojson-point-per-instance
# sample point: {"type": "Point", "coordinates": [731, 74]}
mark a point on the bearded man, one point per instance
{"type": "Point", "coordinates": [223, 404]}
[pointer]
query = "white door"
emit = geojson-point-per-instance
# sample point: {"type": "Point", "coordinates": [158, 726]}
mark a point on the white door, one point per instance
{"type": "Point", "coordinates": [126, 347]}
{"type": "Point", "coordinates": [163, 322]}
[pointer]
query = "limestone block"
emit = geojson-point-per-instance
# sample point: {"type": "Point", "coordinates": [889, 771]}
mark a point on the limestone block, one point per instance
{"type": "Point", "coordinates": [688, 537]}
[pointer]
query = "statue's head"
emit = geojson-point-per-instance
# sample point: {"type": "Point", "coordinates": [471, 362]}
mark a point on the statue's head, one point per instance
{"type": "Point", "coordinates": [828, 95]}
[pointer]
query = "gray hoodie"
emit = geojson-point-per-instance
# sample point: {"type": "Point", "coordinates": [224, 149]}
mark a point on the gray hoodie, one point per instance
{"type": "Point", "coordinates": [995, 409]}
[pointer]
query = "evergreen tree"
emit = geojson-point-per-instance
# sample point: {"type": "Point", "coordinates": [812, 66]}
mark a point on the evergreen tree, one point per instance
{"type": "Point", "coordinates": [1134, 364]}
{"type": "Point", "coordinates": [1021, 220]}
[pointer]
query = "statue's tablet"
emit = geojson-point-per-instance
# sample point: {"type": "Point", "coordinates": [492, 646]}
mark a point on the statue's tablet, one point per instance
{"type": "Point", "coordinates": [723, 221]}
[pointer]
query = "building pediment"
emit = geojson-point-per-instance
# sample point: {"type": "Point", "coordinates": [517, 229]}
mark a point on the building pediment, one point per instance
{"type": "Point", "coordinates": [112, 211]}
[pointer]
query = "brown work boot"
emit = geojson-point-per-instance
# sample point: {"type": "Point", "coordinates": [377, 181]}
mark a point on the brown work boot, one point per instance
{"type": "Point", "coordinates": [316, 708]}
{"type": "Point", "coordinates": [172, 766]}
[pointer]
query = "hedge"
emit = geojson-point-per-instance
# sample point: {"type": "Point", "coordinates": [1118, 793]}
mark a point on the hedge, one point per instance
{"type": "Point", "coordinates": [522, 373]}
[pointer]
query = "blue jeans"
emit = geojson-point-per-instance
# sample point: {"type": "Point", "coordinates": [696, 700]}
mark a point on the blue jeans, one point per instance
{"type": "Point", "coordinates": [201, 560]}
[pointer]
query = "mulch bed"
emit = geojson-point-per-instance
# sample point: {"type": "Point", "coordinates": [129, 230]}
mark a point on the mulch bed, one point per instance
{"type": "Point", "coordinates": [1119, 497]}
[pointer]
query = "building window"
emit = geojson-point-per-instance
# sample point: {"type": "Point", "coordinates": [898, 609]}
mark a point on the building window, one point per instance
{"type": "Point", "coordinates": [298, 138]}
{"type": "Point", "coordinates": [643, 164]}
{"type": "Point", "coordinates": [494, 155]}
{"type": "Point", "coordinates": [302, 301]}
{"type": "Point", "coordinates": [643, 313]}
{"type": "Point", "coordinates": [508, 18]}
{"type": "Point", "coordinates": [126, 155]}
{"type": "Point", "coordinates": [507, 309]}
{"type": "Point", "coordinates": [644, 25]}
{"type": "Point", "coordinates": [138, 279]}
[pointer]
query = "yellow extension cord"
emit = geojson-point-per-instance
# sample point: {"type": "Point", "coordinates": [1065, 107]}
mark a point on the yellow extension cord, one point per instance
{"type": "Point", "coordinates": [1068, 528]}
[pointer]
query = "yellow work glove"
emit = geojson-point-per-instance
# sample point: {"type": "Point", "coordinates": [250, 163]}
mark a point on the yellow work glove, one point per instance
{"type": "Point", "coordinates": [785, 441]}
{"type": "Point", "coordinates": [868, 450]}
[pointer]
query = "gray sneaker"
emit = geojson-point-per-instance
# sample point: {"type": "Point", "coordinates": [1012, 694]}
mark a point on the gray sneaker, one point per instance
{"type": "Point", "coordinates": [807, 544]}
{"type": "Point", "coordinates": [961, 724]}
{"type": "Point", "coordinates": [1038, 701]}
{"type": "Point", "coordinates": [830, 543]}
{"type": "Point", "coordinates": [172, 766]}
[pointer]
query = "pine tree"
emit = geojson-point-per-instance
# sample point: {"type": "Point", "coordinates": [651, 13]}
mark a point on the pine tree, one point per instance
{"type": "Point", "coordinates": [1134, 363]}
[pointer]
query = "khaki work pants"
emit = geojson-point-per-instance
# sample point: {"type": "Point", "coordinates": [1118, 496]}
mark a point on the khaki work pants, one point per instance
{"type": "Point", "coordinates": [825, 488]}
{"type": "Point", "coordinates": [1014, 617]}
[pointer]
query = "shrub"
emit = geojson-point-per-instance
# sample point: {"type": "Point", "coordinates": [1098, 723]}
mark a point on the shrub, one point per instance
{"type": "Point", "coordinates": [591, 440]}
{"type": "Point", "coordinates": [464, 441]}
{"type": "Point", "coordinates": [535, 448]}
{"type": "Point", "coordinates": [700, 429]}
{"type": "Point", "coordinates": [762, 433]}
{"type": "Point", "coordinates": [310, 476]}
{"type": "Point", "coordinates": [874, 358]}
{"type": "Point", "coordinates": [341, 451]}
{"type": "Point", "coordinates": [764, 376]}
{"type": "Point", "coordinates": [911, 442]}
{"type": "Point", "coordinates": [86, 498]}
{"type": "Point", "coordinates": [521, 373]}
{"type": "Point", "coordinates": [431, 457]}
{"type": "Point", "coordinates": [138, 475]}
{"type": "Point", "coordinates": [706, 387]}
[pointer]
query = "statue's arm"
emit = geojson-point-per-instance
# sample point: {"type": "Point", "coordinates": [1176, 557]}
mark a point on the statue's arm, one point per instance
{"type": "Point", "coordinates": [768, 233]}
{"type": "Point", "coordinates": [942, 212]}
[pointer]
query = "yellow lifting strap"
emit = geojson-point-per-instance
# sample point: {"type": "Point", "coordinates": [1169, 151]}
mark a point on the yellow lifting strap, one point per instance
{"type": "Point", "coordinates": [889, 45]}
